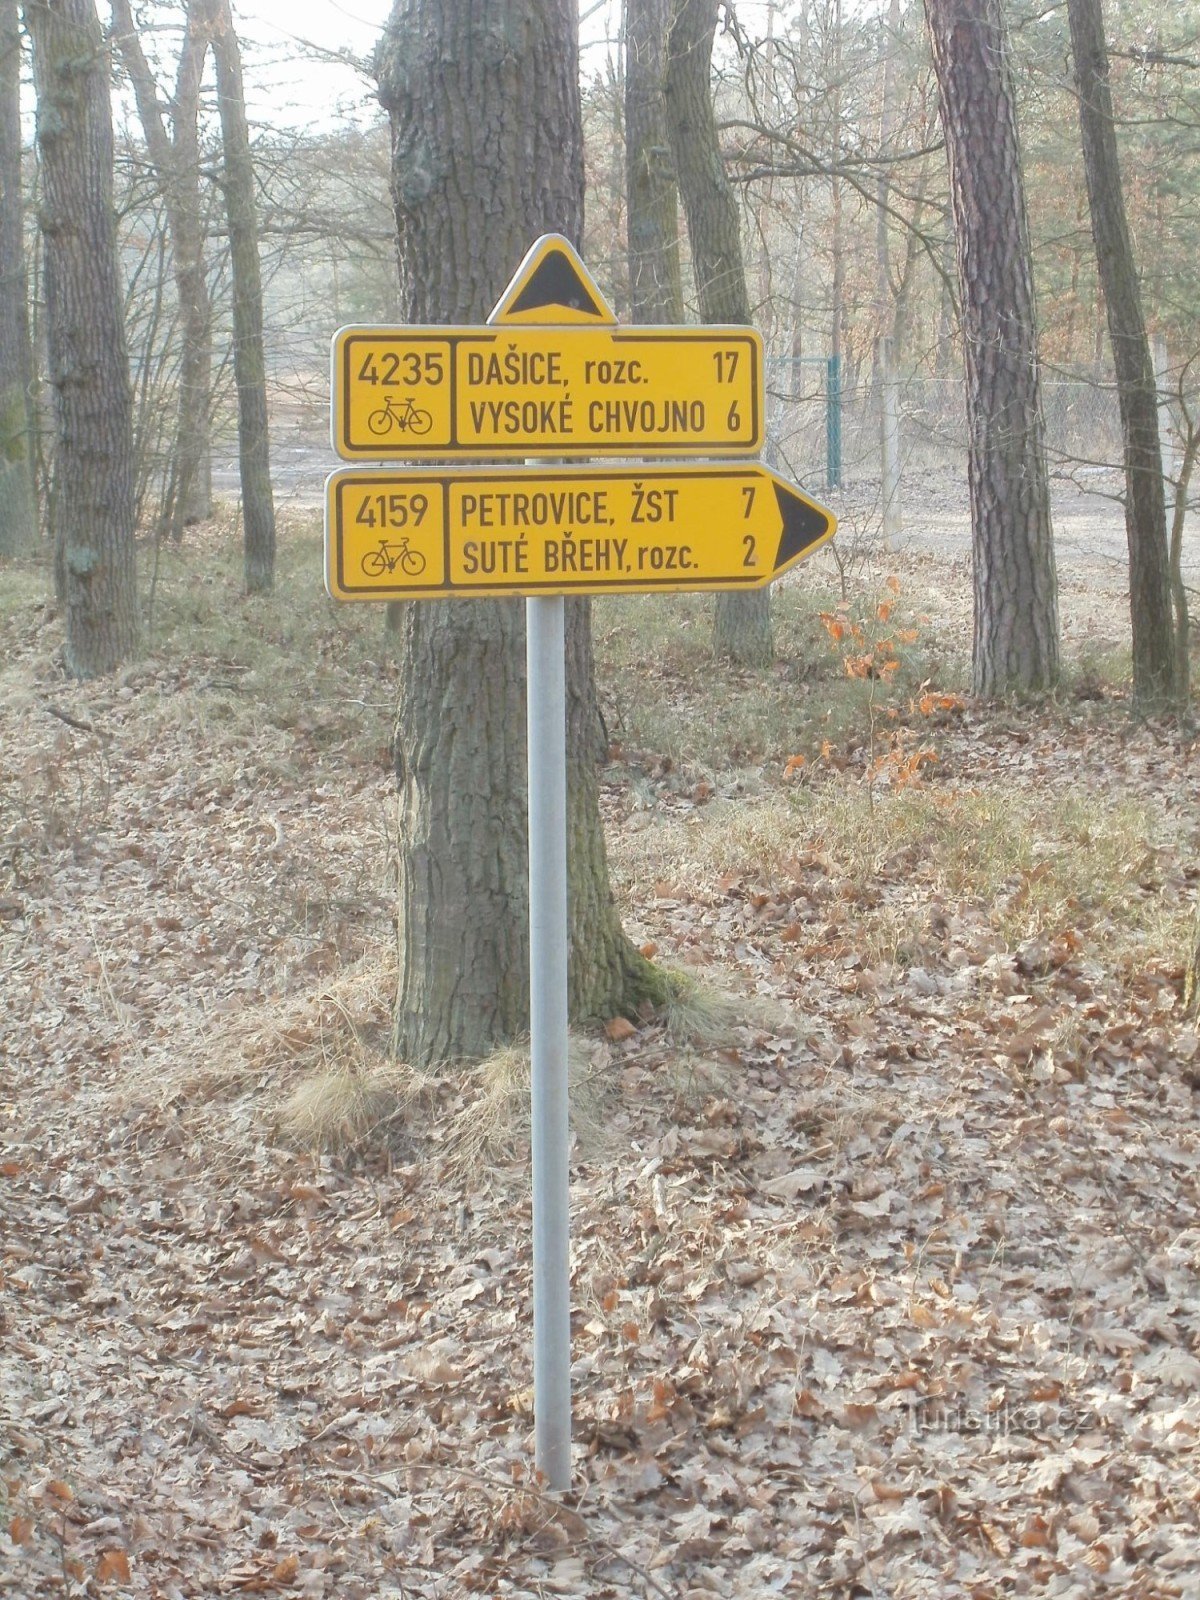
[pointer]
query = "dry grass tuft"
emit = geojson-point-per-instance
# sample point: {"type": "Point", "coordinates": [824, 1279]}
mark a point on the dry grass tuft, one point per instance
{"type": "Point", "coordinates": [696, 1079]}
{"type": "Point", "coordinates": [350, 1107]}
{"type": "Point", "coordinates": [492, 1122]}
{"type": "Point", "coordinates": [700, 1013]}
{"type": "Point", "coordinates": [345, 1019]}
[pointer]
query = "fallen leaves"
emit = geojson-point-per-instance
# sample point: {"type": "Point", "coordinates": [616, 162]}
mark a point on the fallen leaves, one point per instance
{"type": "Point", "coordinates": [895, 1293]}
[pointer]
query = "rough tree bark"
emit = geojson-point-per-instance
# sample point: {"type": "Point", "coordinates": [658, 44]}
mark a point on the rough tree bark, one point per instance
{"type": "Point", "coordinates": [1015, 588]}
{"type": "Point", "coordinates": [249, 360]}
{"type": "Point", "coordinates": [89, 367]}
{"type": "Point", "coordinates": [1155, 666]}
{"type": "Point", "coordinates": [486, 155]}
{"type": "Point", "coordinates": [742, 620]}
{"type": "Point", "coordinates": [175, 157]}
{"type": "Point", "coordinates": [18, 503]}
{"type": "Point", "coordinates": [651, 193]}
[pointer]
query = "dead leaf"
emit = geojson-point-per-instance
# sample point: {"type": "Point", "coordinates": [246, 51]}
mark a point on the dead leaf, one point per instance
{"type": "Point", "coordinates": [112, 1567]}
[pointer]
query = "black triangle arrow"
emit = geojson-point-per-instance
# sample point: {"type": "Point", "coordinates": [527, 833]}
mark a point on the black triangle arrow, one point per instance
{"type": "Point", "coordinates": [804, 525]}
{"type": "Point", "coordinates": [556, 282]}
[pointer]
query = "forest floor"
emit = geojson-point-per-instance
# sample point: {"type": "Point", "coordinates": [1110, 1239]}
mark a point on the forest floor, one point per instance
{"type": "Point", "coordinates": [885, 1266]}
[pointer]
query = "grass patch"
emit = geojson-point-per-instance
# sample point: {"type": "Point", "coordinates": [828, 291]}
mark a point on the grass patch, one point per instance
{"type": "Point", "coordinates": [664, 693]}
{"type": "Point", "coordinates": [281, 660]}
{"type": "Point", "coordinates": [1032, 865]}
{"type": "Point", "coordinates": [24, 582]}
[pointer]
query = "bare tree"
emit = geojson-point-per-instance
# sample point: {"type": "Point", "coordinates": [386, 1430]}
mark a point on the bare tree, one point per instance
{"type": "Point", "coordinates": [1158, 671]}
{"type": "Point", "coordinates": [652, 196]}
{"type": "Point", "coordinates": [89, 368]}
{"type": "Point", "coordinates": [18, 504]}
{"type": "Point", "coordinates": [486, 155]}
{"type": "Point", "coordinates": [175, 158]}
{"type": "Point", "coordinates": [1016, 600]}
{"type": "Point", "coordinates": [249, 358]}
{"type": "Point", "coordinates": [742, 620]}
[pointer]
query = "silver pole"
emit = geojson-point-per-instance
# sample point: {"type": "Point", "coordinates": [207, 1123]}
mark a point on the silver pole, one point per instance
{"type": "Point", "coordinates": [545, 647]}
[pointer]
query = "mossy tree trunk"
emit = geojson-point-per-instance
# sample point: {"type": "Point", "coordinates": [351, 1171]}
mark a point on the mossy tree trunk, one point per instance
{"type": "Point", "coordinates": [1016, 645]}
{"type": "Point", "coordinates": [486, 156]}
{"type": "Point", "coordinates": [18, 503]}
{"type": "Point", "coordinates": [742, 619]}
{"type": "Point", "coordinates": [89, 367]}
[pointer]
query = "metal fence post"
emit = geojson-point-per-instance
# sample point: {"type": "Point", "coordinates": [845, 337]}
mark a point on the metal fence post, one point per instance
{"type": "Point", "coordinates": [833, 422]}
{"type": "Point", "coordinates": [1166, 421]}
{"type": "Point", "coordinates": [889, 440]}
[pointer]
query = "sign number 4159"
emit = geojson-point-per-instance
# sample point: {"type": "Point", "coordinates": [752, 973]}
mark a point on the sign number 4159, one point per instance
{"type": "Point", "coordinates": [392, 510]}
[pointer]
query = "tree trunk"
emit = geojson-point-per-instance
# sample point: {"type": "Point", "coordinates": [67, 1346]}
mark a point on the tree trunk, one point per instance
{"type": "Point", "coordinates": [889, 28]}
{"type": "Point", "coordinates": [742, 620]}
{"type": "Point", "coordinates": [89, 368]}
{"type": "Point", "coordinates": [1016, 599]}
{"type": "Point", "coordinates": [175, 159]}
{"type": "Point", "coordinates": [487, 155]}
{"type": "Point", "coordinates": [652, 198]}
{"type": "Point", "coordinates": [249, 361]}
{"type": "Point", "coordinates": [18, 503]}
{"type": "Point", "coordinates": [1154, 661]}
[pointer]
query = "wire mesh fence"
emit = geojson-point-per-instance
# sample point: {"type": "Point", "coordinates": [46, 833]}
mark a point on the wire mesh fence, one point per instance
{"type": "Point", "coordinates": [828, 431]}
{"type": "Point", "coordinates": [1083, 426]}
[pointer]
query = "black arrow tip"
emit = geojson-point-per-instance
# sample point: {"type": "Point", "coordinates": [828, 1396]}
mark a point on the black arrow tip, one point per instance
{"type": "Point", "coordinates": [804, 525]}
{"type": "Point", "coordinates": [555, 281]}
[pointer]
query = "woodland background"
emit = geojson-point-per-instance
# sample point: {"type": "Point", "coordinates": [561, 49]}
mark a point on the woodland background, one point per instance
{"type": "Point", "coordinates": [885, 1220]}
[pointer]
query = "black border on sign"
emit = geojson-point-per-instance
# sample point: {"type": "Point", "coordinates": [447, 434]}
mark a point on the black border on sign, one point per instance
{"type": "Point", "coordinates": [349, 450]}
{"type": "Point", "coordinates": [347, 478]}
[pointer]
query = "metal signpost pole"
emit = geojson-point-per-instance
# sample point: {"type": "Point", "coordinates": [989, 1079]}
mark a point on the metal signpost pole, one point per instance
{"type": "Point", "coordinates": [545, 646]}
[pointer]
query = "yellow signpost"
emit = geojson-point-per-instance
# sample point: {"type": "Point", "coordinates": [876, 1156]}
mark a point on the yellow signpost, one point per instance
{"type": "Point", "coordinates": [572, 530]}
{"type": "Point", "coordinates": [551, 375]}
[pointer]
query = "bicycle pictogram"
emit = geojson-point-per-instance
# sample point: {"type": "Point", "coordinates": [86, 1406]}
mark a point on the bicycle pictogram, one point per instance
{"type": "Point", "coordinates": [405, 416]}
{"type": "Point", "coordinates": [390, 556]}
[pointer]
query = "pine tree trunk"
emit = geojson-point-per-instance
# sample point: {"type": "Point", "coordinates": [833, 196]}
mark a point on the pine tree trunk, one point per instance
{"type": "Point", "coordinates": [89, 368]}
{"type": "Point", "coordinates": [742, 620]}
{"type": "Point", "coordinates": [1016, 595]}
{"type": "Point", "coordinates": [487, 155]}
{"type": "Point", "coordinates": [651, 193]}
{"type": "Point", "coordinates": [1154, 663]}
{"type": "Point", "coordinates": [18, 504]}
{"type": "Point", "coordinates": [249, 360]}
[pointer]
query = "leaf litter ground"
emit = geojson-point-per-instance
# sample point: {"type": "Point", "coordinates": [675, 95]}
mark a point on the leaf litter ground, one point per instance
{"type": "Point", "coordinates": [887, 1288]}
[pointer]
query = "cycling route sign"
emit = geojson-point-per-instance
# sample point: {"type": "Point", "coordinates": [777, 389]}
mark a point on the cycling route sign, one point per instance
{"type": "Point", "coordinates": [574, 385]}
{"type": "Point", "coordinates": [552, 376]}
{"type": "Point", "coordinates": [425, 534]}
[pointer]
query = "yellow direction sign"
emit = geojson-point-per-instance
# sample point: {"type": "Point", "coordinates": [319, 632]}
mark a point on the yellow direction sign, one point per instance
{"type": "Point", "coordinates": [424, 534]}
{"type": "Point", "coordinates": [579, 386]}
{"type": "Point", "coordinates": [522, 391]}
